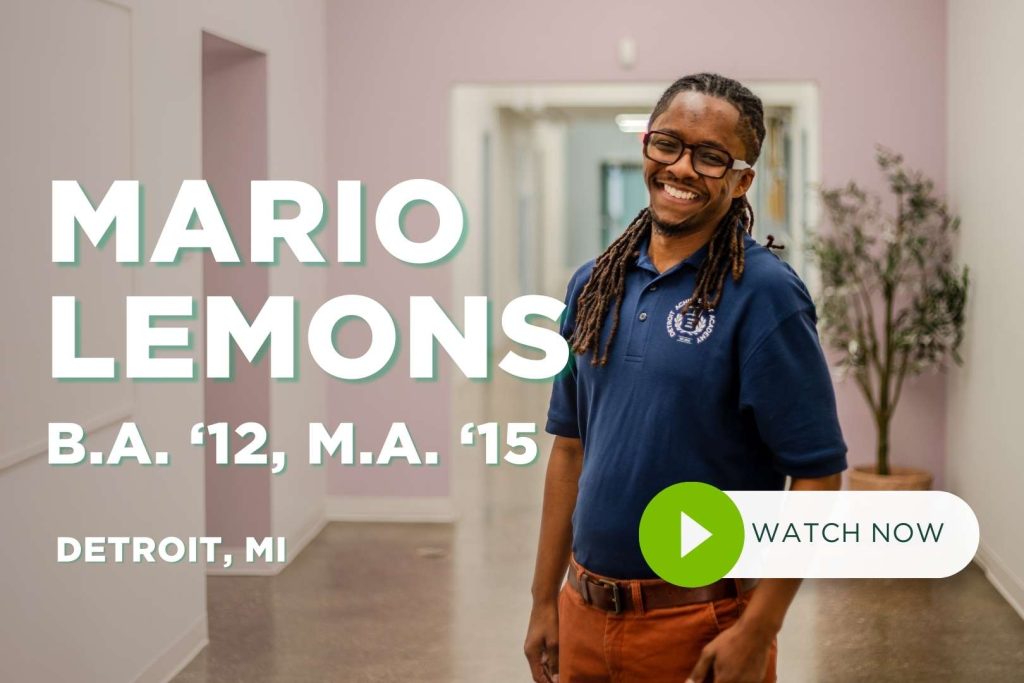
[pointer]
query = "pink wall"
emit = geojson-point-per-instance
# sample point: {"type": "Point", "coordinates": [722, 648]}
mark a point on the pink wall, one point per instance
{"type": "Point", "coordinates": [881, 71]}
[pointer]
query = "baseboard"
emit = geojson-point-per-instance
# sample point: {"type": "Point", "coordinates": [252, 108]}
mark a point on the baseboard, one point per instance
{"type": "Point", "coordinates": [300, 538]}
{"type": "Point", "coordinates": [1009, 585]}
{"type": "Point", "coordinates": [390, 509]}
{"type": "Point", "coordinates": [294, 542]}
{"type": "Point", "coordinates": [176, 657]}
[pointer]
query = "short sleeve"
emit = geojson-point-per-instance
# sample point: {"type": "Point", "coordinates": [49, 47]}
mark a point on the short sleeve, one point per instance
{"type": "Point", "coordinates": [786, 385]}
{"type": "Point", "coordinates": [563, 417]}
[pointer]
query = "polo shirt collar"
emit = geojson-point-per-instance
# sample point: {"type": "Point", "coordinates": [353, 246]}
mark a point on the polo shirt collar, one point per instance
{"type": "Point", "coordinates": [692, 261]}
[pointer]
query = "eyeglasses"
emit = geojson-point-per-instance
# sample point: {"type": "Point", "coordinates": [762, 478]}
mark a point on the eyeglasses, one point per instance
{"type": "Point", "coordinates": [712, 162]}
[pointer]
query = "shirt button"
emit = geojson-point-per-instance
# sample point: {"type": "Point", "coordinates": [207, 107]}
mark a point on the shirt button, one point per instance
{"type": "Point", "coordinates": [652, 288]}
{"type": "Point", "coordinates": [643, 316]}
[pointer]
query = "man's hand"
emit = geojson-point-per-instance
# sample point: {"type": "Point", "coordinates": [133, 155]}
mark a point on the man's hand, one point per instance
{"type": "Point", "coordinates": [542, 643]}
{"type": "Point", "coordinates": [738, 655]}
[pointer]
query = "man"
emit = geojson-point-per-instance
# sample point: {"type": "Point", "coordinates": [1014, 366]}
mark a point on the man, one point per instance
{"type": "Point", "coordinates": [696, 358]}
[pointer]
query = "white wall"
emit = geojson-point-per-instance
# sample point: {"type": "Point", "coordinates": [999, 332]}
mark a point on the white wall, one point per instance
{"type": "Point", "coordinates": [986, 96]}
{"type": "Point", "coordinates": [99, 90]}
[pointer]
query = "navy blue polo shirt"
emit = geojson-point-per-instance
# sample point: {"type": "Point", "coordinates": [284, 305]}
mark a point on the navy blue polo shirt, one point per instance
{"type": "Point", "coordinates": [738, 397]}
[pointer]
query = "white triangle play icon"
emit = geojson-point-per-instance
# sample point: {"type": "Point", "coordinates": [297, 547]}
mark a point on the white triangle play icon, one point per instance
{"type": "Point", "coordinates": [691, 534]}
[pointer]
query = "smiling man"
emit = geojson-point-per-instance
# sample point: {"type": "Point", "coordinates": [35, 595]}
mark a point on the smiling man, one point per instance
{"type": "Point", "coordinates": [696, 358]}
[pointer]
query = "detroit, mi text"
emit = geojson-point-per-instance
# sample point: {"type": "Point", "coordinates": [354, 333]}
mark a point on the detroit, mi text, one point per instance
{"type": "Point", "coordinates": [171, 549]}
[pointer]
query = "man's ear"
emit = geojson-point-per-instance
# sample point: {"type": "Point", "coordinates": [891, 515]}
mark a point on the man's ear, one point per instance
{"type": "Point", "coordinates": [746, 179]}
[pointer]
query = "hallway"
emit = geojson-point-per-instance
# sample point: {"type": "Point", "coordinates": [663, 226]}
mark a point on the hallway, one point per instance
{"type": "Point", "coordinates": [190, 186]}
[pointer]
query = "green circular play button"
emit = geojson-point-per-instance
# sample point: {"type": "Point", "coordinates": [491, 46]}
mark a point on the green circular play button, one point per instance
{"type": "Point", "coordinates": [691, 534]}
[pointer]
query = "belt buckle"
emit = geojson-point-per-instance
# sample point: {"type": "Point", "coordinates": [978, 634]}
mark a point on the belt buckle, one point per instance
{"type": "Point", "coordinates": [616, 596]}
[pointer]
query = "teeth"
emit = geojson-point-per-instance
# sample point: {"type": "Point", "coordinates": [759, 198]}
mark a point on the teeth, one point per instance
{"type": "Point", "coordinates": [679, 194]}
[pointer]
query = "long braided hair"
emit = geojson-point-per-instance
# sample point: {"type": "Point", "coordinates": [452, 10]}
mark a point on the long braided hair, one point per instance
{"type": "Point", "coordinates": [725, 249]}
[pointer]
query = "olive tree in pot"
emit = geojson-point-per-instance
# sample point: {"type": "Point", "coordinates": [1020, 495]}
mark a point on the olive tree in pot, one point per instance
{"type": "Point", "coordinates": [892, 300]}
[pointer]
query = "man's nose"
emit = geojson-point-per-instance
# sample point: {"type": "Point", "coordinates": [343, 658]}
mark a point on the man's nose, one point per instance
{"type": "Point", "coordinates": [683, 167]}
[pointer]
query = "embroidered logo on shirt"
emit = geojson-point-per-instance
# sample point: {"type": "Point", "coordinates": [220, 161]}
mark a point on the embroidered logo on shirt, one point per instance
{"type": "Point", "coordinates": [693, 327]}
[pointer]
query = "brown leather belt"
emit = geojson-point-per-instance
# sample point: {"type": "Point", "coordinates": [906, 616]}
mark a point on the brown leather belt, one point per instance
{"type": "Point", "coordinates": [617, 596]}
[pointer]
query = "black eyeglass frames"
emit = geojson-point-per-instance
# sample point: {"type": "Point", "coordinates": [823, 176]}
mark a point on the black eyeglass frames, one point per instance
{"type": "Point", "coordinates": [712, 162]}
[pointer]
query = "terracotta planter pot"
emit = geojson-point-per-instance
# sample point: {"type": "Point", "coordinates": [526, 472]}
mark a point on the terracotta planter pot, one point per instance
{"type": "Point", "coordinates": [865, 478]}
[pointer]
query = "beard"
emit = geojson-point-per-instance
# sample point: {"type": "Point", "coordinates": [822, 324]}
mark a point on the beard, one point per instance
{"type": "Point", "coordinates": [684, 227]}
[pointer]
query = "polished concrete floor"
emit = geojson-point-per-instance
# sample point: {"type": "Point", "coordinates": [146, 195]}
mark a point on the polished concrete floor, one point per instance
{"type": "Point", "coordinates": [449, 603]}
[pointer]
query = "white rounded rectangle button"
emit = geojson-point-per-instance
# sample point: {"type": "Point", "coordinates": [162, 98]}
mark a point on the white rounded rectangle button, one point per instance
{"type": "Point", "coordinates": [854, 534]}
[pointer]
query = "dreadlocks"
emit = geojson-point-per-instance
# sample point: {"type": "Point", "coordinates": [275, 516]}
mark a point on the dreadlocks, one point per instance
{"type": "Point", "coordinates": [725, 250]}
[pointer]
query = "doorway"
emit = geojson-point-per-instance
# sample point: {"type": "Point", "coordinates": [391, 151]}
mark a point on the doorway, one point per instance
{"type": "Point", "coordinates": [234, 139]}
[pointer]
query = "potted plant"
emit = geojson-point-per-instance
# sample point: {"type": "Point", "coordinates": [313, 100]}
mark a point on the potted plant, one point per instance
{"type": "Point", "coordinates": [892, 301]}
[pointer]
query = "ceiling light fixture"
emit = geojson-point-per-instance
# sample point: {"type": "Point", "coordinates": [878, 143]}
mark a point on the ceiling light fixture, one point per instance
{"type": "Point", "coordinates": [632, 123]}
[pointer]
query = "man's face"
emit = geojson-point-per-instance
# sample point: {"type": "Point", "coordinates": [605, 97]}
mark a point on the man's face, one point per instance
{"type": "Point", "coordinates": [696, 118]}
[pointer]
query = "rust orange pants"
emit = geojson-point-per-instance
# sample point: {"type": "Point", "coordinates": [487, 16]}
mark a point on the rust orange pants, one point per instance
{"type": "Point", "coordinates": [660, 645]}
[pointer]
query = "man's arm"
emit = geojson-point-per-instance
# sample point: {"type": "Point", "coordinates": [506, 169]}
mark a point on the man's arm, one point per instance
{"type": "Point", "coordinates": [741, 651]}
{"type": "Point", "coordinates": [560, 487]}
